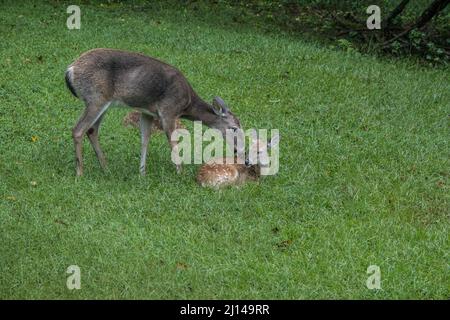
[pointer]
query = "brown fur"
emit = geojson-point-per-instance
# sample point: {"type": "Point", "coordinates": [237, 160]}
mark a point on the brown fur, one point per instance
{"type": "Point", "coordinates": [159, 90]}
{"type": "Point", "coordinates": [222, 172]}
{"type": "Point", "coordinates": [217, 174]}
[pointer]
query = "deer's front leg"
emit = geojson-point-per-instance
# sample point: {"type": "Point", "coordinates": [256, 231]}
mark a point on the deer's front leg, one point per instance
{"type": "Point", "coordinates": [145, 124]}
{"type": "Point", "coordinates": [169, 126]}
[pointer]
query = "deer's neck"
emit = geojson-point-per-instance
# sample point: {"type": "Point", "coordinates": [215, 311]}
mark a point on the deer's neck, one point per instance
{"type": "Point", "coordinates": [199, 110]}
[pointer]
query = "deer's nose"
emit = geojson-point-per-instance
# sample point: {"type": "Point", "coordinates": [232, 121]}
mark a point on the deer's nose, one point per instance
{"type": "Point", "coordinates": [247, 162]}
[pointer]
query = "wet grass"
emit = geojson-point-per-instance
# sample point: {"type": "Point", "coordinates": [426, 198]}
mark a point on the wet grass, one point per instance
{"type": "Point", "coordinates": [363, 180]}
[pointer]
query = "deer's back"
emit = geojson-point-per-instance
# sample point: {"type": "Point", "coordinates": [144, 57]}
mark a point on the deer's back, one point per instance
{"type": "Point", "coordinates": [132, 78]}
{"type": "Point", "coordinates": [217, 173]}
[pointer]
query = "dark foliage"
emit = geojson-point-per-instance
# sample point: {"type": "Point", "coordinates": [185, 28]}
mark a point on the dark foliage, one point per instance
{"type": "Point", "coordinates": [417, 27]}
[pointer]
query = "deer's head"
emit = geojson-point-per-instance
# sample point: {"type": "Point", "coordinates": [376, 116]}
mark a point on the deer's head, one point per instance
{"type": "Point", "coordinates": [225, 119]}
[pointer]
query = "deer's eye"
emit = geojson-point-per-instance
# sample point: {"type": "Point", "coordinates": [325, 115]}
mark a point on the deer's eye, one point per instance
{"type": "Point", "coordinates": [234, 129]}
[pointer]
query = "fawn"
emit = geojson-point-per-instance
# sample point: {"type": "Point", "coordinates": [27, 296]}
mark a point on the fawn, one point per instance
{"type": "Point", "coordinates": [101, 77]}
{"type": "Point", "coordinates": [222, 172]}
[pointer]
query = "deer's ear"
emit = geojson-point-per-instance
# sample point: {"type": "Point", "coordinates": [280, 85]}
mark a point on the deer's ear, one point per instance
{"type": "Point", "coordinates": [274, 141]}
{"type": "Point", "coordinates": [220, 105]}
{"type": "Point", "coordinates": [217, 110]}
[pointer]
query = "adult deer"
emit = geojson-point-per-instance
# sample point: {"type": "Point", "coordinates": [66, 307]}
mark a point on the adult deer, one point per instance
{"type": "Point", "coordinates": [101, 77]}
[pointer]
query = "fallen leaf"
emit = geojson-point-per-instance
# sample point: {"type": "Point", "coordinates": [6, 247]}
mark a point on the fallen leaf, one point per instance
{"type": "Point", "coordinates": [284, 244]}
{"type": "Point", "coordinates": [181, 266]}
{"type": "Point", "coordinates": [61, 222]}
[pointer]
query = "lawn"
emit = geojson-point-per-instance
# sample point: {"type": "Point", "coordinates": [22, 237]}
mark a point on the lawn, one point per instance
{"type": "Point", "coordinates": [364, 166]}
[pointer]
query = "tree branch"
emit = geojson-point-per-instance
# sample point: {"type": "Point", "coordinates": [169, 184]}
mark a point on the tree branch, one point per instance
{"type": "Point", "coordinates": [432, 10]}
{"type": "Point", "coordinates": [397, 11]}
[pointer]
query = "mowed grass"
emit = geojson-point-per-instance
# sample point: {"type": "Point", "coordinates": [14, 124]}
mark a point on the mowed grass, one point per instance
{"type": "Point", "coordinates": [363, 180]}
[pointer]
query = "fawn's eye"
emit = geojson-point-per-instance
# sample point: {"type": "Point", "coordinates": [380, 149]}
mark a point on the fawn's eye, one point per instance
{"type": "Point", "coordinates": [234, 129]}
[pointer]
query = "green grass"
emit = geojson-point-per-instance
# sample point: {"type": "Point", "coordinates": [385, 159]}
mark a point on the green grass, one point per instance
{"type": "Point", "coordinates": [363, 180]}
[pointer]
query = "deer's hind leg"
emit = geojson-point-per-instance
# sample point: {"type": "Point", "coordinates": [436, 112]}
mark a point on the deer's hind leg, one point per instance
{"type": "Point", "coordinates": [92, 134]}
{"type": "Point", "coordinates": [91, 114]}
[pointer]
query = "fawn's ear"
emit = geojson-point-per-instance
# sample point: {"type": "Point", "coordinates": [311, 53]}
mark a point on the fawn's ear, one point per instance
{"type": "Point", "coordinates": [274, 141]}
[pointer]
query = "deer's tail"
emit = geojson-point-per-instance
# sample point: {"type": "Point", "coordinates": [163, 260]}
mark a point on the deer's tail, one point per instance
{"type": "Point", "coordinates": [69, 77]}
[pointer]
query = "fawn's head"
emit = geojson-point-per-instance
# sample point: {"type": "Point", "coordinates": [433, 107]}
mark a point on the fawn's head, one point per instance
{"type": "Point", "coordinates": [258, 154]}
